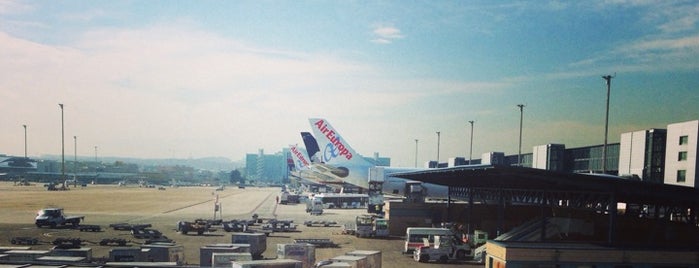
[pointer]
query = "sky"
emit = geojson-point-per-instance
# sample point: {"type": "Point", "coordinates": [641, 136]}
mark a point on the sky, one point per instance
{"type": "Point", "coordinates": [191, 79]}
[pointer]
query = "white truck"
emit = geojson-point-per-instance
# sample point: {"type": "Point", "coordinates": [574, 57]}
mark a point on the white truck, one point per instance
{"type": "Point", "coordinates": [371, 226]}
{"type": "Point", "coordinates": [54, 217]}
{"type": "Point", "coordinates": [446, 248]}
{"type": "Point", "coordinates": [451, 248]}
{"type": "Point", "coordinates": [314, 206]}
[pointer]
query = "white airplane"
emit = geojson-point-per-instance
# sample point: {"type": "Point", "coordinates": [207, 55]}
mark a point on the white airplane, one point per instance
{"type": "Point", "coordinates": [336, 158]}
{"type": "Point", "coordinates": [302, 164]}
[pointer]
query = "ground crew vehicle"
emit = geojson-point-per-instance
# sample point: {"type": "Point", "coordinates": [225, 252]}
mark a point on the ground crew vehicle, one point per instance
{"type": "Point", "coordinates": [200, 226]}
{"type": "Point", "coordinates": [314, 206]}
{"type": "Point", "coordinates": [371, 226]}
{"type": "Point", "coordinates": [414, 237]}
{"type": "Point", "coordinates": [446, 248]}
{"type": "Point", "coordinates": [54, 217]}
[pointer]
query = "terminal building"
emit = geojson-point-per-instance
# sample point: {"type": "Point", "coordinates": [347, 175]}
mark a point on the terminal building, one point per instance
{"type": "Point", "coordinates": [559, 210]}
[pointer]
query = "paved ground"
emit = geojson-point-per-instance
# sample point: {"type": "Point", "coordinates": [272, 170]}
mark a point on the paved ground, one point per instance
{"type": "Point", "coordinates": [104, 205]}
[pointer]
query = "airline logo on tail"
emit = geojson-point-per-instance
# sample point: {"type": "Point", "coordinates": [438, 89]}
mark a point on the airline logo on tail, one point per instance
{"type": "Point", "coordinates": [301, 160]}
{"type": "Point", "coordinates": [336, 147]}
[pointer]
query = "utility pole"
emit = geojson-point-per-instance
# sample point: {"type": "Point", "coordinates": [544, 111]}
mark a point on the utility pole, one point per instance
{"type": "Point", "coordinates": [470, 150]}
{"type": "Point", "coordinates": [63, 147]}
{"type": "Point", "coordinates": [521, 116]}
{"type": "Point", "coordinates": [438, 148]}
{"type": "Point", "coordinates": [25, 141]}
{"type": "Point", "coordinates": [75, 157]}
{"type": "Point", "coordinates": [415, 152]}
{"type": "Point", "coordinates": [608, 80]}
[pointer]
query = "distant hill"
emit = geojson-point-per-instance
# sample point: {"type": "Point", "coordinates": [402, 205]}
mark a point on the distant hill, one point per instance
{"type": "Point", "coordinates": [206, 163]}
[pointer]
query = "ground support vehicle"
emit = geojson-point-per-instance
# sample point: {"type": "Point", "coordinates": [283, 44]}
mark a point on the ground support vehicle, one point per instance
{"type": "Point", "coordinates": [446, 248]}
{"type": "Point", "coordinates": [371, 226]}
{"type": "Point", "coordinates": [319, 223]}
{"type": "Point", "coordinates": [146, 233]}
{"type": "Point", "coordinates": [280, 226]}
{"type": "Point", "coordinates": [54, 217]}
{"type": "Point", "coordinates": [113, 242]}
{"type": "Point", "coordinates": [24, 240]}
{"type": "Point", "coordinates": [236, 226]}
{"type": "Point", "coordinates": [128, 226]}
{"type": "Point", "coordinates": [89, 228]}
{"type": "Point", "coordinates": [318, 242]}
{"type": "Point", "coordinates": [160, 239]}
{"type": "Point", "coordinates": [67, 242]}
{"type": "Point", "coordinates": [314, 206]}
{"type": "Point", "coordinates": [199, 226]}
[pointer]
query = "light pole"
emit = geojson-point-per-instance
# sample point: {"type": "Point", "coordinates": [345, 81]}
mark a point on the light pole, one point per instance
{"type": "Point", "coordinates": [521, 116]}
{"type": "Point", "coordinates": [415, 152]}
{"type": "Point", "coordinates": [470, 150]}
{"type": "Point", "coordinates": [608, 79]}
{"type": "Point", "coordinates": [63, 147]}
{"type": "Point", "coordinates": [75, 156]}
{"type": "Point", "coordinates": [438, 148]}
{"type": "Point", "coordinates": [25, 141]}
{"type": "Point", "coordinates": [95, 153]}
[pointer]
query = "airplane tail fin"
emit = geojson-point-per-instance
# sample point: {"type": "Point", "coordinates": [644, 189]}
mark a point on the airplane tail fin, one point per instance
{"type": "Point", "coordinates": [333, 149]}
{"type": "Point", "coordinates": [311, 146]}
{"type": "Point", "coordinates": [301, 161]}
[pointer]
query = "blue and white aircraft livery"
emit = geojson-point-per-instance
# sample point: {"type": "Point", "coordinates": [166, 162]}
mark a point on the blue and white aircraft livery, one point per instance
{"type": "Point", "coordinates": [340, 160]}
{"type": "Point", "coordinates": [304, 169]}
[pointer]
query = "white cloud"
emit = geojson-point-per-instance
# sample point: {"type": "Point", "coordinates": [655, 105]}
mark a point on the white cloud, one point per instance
{"type": "Point", "coordinates": [14, 6]}
{"type": "Point", "coordinates": [386, 34]}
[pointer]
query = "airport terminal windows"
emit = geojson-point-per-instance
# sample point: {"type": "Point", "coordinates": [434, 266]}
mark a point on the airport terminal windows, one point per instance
{"type": "Point", "coordinates": [682, 156]}
{"type": "Point", "coordinates": [684, 140]}
{"type": "Point", "coordinates": [681, 175]}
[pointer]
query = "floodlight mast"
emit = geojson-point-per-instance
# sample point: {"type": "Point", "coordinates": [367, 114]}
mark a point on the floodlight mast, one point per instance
{"type": "Point", "coordinates": [608, 80]}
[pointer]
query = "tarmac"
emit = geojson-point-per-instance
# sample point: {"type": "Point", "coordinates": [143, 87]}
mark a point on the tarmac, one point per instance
{"type": "Point", "coordinates": [234, 203]}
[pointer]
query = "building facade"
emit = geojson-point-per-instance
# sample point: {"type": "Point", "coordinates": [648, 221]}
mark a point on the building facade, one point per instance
{"type": "Point", "coordinates": [642, 154]}
{"type": "Point", "coordinates": [269, 168]}
{"type": "Point", "coordinates": [681, 153]}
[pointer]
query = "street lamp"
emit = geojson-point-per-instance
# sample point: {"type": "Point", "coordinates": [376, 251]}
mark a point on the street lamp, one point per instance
{"type": "Point", "coordinates": [63, 147]}
{"type": "Point", "coordinates": [415, 152]}
{"type": "Point", "coordinates": [75, 156]}
{"type": "Point", "coordinates": [470, 150]}
{"type": "Point", "coordinates": [608, 80]}
{"type": "Point", "coordinates": [521, 116]}
{"type": "Point", "coordinates": [25, 141]}
{"type": "Point", "coordinates": [438, 148]}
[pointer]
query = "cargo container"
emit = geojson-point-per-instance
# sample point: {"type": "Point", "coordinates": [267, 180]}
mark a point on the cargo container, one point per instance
{"type": "Point", "coordinates": [25, 255]}
{"type": "Point", "coordinates": [374, 258]}
{"type": "Point", "coordinates": [73, 252]}
{"type": "Point", "coordinates": [61, 259]}
{"type": "Point", "coordinates": [224, 259]}
{"type": "Point", "coordinates": [331, 264]}
{"type": "Point", "coordinates": [354, 261]}
{"type": "Point", "coordinates": [206, 252]}
{"type": "Point", "coordinates": [4, 249]}
{"type": "Point", "coordinates": [142, 264]}
{"type": "Point", "coordinates": [165, 252]}
{"type": "Point", "coordinates": [277, 263]}
{"type": "Point", "coordinates": [306, 253]}
{"type": "Point", "coordinates": [257, 241]}
{"type": "Point", "coordinates": [128, 254]}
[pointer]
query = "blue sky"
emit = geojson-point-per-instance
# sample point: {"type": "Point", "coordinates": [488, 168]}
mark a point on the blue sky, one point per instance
{"type": "Point", "coordinates": [224, 78]}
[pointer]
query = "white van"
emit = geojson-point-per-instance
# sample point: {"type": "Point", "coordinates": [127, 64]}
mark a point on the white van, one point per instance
{"type": "Point", "coordinates": [414, 236]}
